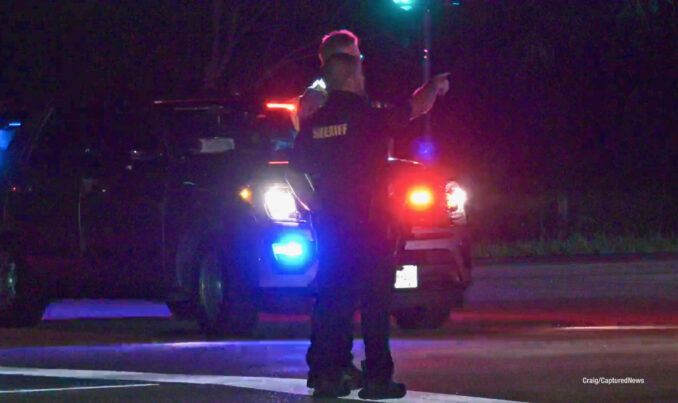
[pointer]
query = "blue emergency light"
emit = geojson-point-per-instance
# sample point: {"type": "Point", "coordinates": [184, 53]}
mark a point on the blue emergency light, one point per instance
{"type": "Point", "coordinates": [292, 251]}
{"type": "Point", "coordinates": [425, 149]}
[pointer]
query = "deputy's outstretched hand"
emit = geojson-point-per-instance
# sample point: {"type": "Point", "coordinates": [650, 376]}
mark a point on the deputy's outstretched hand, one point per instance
{"type": "Point", "coordinates": [442, 83]}
{"type": "Point", "coordinates": [424, 97]}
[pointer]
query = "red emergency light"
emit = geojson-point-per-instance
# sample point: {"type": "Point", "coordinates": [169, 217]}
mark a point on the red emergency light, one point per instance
{"type": "Point", "coordinates": [280, 105]}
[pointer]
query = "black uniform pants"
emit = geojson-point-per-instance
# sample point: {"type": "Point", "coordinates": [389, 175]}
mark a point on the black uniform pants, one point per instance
{"type": "Point", "coordinates": [354, 271]}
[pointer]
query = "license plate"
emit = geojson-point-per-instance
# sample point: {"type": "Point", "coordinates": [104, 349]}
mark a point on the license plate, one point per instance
{"type": "Point", "coordinates": [406, 277]}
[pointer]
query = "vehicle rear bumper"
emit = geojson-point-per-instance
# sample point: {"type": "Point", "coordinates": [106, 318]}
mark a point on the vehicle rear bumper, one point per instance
{"type": "Point", "coordinates": [442, 254]}
{"type": "Point", "coordinates": [442, 258]}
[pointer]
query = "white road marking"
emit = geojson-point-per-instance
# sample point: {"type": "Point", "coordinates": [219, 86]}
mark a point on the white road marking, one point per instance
{"type": "Point", "coordinates": [630, 327]}
{"type": "Point", "coordinates": [135, 385]}
{"type": "Point", "coordinates": [283, 385]}
{"type": "Point", "coordinates": [104, 308]}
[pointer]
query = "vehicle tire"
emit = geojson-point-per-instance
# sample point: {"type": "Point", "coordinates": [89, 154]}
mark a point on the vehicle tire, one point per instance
{"type": "Point", "coordinates": [226, 299]}
{"type": "Point", "coordinates": [422, 317]}
{"type": "Point", "coordinates": [22, 303]}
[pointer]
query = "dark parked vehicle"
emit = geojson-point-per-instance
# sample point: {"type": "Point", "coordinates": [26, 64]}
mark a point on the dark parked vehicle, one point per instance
{"type": "Point", "coordinates": [187, 203]}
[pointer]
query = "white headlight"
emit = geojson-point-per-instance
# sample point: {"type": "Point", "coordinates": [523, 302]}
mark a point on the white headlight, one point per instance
{"type": "Point", "coordinates": [280, 204]}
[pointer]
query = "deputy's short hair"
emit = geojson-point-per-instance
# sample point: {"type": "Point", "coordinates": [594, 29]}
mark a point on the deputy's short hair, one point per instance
{"type": "Point", "coordinates": [338, 68]}
{"type": "Point", "coordinates": [335, 42]}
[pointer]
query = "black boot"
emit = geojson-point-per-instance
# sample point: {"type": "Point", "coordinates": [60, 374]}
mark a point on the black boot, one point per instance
{"type": "Point", "coordinates": [330, 387]}
{"type": "Point", "coordinates": [375, 390]}
{"type": "Point", "coordinates": [312, 379]}
{"type": "Point", "coordinates": [350, 374]}
{"type": "Point", "coordinates": [353, 377]}
{"type": "Point", "coordinates": [378, 386]}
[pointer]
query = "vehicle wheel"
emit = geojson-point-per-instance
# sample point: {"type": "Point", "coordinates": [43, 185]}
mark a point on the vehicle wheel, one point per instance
{"type": "Point", "coordinates": [422, 317]}
{"type": "Point", "coordinates": [226, 302]}
{"type": "Point", "coordinates": [21, 303]}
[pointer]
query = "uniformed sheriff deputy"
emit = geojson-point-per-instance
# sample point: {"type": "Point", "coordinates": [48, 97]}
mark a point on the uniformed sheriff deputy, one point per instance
{"type": "Point", "coordinates": [315, 96]}
{"type": "Point", "coordinates": [340, 41]}
{"type": "Point", "coordinates": [344, 148]}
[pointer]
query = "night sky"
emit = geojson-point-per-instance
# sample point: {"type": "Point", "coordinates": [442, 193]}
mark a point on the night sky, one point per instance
{"type": "Point", "coordinates": [549, 99]}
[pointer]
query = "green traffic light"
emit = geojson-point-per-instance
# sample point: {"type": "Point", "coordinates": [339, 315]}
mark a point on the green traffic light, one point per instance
{"type": "Point", "coordinates": [404, 4]}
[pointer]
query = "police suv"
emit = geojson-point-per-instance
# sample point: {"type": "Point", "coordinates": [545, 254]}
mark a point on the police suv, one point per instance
{"type": "Point", "coordinates": [187, 203]}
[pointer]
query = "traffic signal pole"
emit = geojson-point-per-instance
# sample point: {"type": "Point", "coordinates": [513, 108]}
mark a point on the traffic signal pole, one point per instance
{"type": "Point", "coordinates": [426, 144]}
{"type": "Point", "coordinates": [426, 63]}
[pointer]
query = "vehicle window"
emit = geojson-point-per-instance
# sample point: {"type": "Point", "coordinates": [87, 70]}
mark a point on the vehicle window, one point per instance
{"type": "Point", "coordinates": [47, 147]}
{"type": "Point", "coordinates": [185, 126]}
{"type": "Point", "coordinates": [126, 134]}
{"type": "Point", "coordinates": [281, 133]}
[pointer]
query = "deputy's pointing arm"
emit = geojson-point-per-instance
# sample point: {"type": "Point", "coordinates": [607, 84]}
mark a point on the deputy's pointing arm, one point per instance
{"type": "Point", "coordinates": [424, 97]}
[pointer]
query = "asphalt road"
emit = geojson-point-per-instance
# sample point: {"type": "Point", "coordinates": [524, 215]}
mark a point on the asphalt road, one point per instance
{"type": "Point", "coordinates": [582, 341]}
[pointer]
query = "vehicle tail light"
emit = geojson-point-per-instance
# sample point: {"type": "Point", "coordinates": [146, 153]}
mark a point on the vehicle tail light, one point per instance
{"type": "Point", "coordinates": [420, 198]}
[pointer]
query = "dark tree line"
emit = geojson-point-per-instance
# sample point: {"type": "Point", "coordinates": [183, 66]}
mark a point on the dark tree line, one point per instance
{"type": "Point", "coordinates": [569, 106]}
{"type": "Point", "coordinates": [558, 109]}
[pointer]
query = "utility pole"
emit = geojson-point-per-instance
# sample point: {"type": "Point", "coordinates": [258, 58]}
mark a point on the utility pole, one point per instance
{"type": "Point", "coordinates": [426, 63]}
{"type": "Point", "coordinates": [426, 144]}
